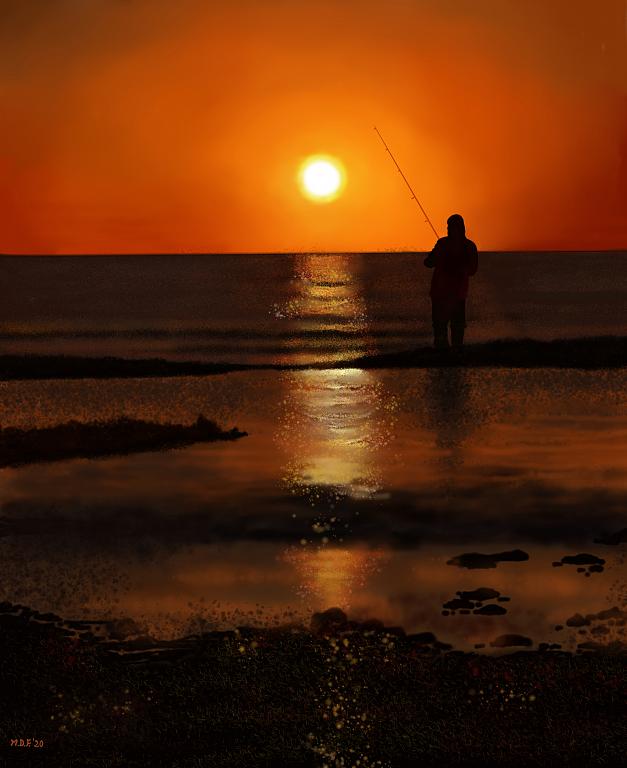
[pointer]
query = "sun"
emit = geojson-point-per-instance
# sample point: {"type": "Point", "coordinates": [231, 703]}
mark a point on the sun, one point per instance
{"type": "Point", "coordinates": [321, 178]}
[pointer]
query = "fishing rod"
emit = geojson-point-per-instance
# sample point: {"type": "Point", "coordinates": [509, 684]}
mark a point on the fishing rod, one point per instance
{"type": "Point", "coordinates": [413, 194]}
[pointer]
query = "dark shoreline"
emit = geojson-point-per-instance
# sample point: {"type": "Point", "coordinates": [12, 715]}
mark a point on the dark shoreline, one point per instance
{"type": "Point", "coordinates": [593, 353]}
{"type": "Point", "coordinates": [40, 367]}
{"type": "Point", "coordinates": [275, 696]}
{"type": "Point", "coordinates": [103, 438]}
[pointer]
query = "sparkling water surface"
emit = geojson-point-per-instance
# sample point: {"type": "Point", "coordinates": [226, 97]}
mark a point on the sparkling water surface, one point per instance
{"type": "Point", "coordinates": [354, 488]}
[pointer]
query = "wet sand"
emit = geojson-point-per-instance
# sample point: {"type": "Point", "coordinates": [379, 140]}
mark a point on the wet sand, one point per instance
{"type": "Point", "coordinates": [583, 353]}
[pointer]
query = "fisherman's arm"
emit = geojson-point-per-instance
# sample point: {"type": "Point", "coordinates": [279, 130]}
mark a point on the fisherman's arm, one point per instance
{"type": "Point", "coordinates": [432, 258]}
{"type": "Point", "coordinates": [473, 260]}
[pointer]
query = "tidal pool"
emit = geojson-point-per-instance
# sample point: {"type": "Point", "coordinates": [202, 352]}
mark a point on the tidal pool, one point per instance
{"type": "Point", "coordinates": [353, 489]}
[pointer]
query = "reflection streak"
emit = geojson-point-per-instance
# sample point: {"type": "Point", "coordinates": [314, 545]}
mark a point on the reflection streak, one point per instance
{"type": "Point", "coordinates": [333, 428]}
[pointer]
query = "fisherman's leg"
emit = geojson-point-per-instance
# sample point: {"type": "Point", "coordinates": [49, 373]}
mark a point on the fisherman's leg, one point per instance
{"type": "Point", "coordinates": [458, 325]}
{"type": "Point", "coordinates": [440, 325]}
{"type": "Point", "coordinates": [440, 335]}
{"type": "Point", "coordinates": [457, 334]}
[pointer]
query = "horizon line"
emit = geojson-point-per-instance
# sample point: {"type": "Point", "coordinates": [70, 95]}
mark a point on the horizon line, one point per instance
{"type": "Point", "coordinates": [95, 254]}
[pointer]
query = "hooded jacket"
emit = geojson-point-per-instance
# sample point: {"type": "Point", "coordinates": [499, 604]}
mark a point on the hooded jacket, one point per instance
{"type": "Point", "coordinates": [454, 259]}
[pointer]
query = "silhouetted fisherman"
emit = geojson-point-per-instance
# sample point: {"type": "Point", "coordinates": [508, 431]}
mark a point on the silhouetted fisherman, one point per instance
{"type": "Point", "coordinates": [454, 259]}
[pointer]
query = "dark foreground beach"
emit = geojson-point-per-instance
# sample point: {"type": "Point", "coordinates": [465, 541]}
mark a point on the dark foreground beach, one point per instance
{"type": "Point", "coordinates": [335, 693]}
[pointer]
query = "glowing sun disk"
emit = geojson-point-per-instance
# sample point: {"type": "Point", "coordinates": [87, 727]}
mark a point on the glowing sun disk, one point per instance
{"type": "Point", "coordinates": [321, 178]}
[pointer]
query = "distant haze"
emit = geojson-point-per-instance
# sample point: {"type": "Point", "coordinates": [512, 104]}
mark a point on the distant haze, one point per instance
{"type": "Point", "coordinates": [157, 126]}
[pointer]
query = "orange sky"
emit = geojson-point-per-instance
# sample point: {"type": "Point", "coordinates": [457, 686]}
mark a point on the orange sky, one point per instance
{"type": "Point", "coordinates": [152, 125]}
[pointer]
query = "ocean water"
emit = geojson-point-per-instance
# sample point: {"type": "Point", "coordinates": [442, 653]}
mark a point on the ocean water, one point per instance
{"type": "Point", "coordinates": [354, 488]}
{"type": "Point", "coordinates": [292, 308]}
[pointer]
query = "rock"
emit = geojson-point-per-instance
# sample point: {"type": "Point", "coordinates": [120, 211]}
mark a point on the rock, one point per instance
{"type": "Point", "coordinates": [510, 641]}
{"type": "Point", "coordinates": [578, 621]}
{"type": "Point", "coordinates": [475, 560]}
{"type": "Point", "coordinates": [610, 613]}
{"type": "Point", "coordinates": [329, 621]}
{"type": "Point", "coordinates": [582, 559]}
{"type": "Point", "coordinates": [490, 610]}
{"type": "Point", "coordinates": [457, 604]}
{"type": "Point", "coordinates": [423, 638]}
{"type": "Point", "coordinates": [480, 595]}
{"type": "Point", "coordinates": [120, 629]}
{"type": "Point", "coordinates": [372, 625]}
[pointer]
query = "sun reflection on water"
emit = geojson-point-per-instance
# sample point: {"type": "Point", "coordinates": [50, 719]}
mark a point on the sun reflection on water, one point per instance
{"type": "Point", "coordinates": [335, 423]}
{"type": "Point", "coordinates": [335, 420]}
{"type": "Point", "coordinates": [328, 576]}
